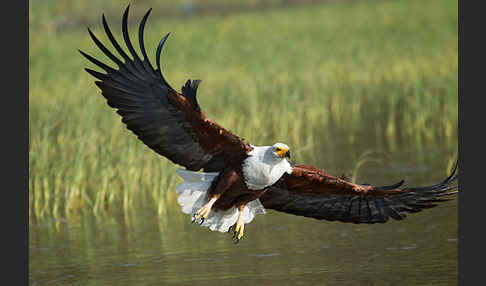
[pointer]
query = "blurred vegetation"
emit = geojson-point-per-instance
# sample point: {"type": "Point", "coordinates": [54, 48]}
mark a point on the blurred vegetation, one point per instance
{"type": "Point", "coordinates": [330, 80]}
{"type": "Point", "coordinates": [64, 15]}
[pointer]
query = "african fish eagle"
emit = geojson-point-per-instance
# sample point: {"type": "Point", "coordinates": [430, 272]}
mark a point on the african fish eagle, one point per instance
{"type": "Point", "coordinates": [226, 180]}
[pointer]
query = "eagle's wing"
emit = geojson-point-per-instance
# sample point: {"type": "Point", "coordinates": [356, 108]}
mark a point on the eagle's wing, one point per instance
{"type": "Point", "coordinates": [312, 192]}
{"type": "Point", "coordinates": [170, 123]}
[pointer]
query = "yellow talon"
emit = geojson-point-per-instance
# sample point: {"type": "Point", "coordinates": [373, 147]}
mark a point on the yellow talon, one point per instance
{"type": "Point", "coordinates": [238, 229]}
{"type": "Point", "coordinates": [204, 211]}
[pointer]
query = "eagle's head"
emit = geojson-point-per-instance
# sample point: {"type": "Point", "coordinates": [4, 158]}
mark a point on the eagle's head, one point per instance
{"type": "Point", "coordinates": [280, 150]}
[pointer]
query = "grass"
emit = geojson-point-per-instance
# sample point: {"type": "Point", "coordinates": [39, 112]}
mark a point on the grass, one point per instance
{"type": "Point", "coordinates": [378, 74]}
{"type": "Point", "coordinates": [66, 15]}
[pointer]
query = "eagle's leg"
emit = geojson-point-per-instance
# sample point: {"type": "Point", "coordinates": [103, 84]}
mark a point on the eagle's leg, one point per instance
{"type": "Point", "coordinates": [204, 211]}
{"type": "Point", "coordinates": [222, 183]}
{"type": "Point", "coordinates": [239, 227]}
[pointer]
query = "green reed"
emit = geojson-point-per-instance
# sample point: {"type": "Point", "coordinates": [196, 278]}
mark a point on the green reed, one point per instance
{"type": "Point", "coordinates": [309, 76]}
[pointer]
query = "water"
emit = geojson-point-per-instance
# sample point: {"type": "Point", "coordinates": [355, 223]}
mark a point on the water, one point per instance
{"type": "Point", "coordinates": [139, 247]}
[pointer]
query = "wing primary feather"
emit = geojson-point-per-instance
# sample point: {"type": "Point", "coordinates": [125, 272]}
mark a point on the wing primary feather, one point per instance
{"type": "Point", "coordinates": [141, 29]}
{"type": "Point", "coordinates": [391, 211]}
{"type": "Point", "coordinates": [96, 62]}
{"type": "Point", "coordinates": [390, 187]}
{"type": "Point", "coordinates": [451, 178]}
{"type": "Point", "coordinates": [126, 36]}
{"type": "Point", "coordinates": [129, 67]}
{"type": "Point", "coordinates": [104, 49]}
{"type": "Point", "coordinates": [96, 74]}
{"type": "Point", "coordinates": [453, 173]}
{"type": "Point", "coordinates": [113, 40]}
{"type": "Point", "coordinates": [146, 61]}
{"type": "Point", "coordinates": [107, 68]}
{"type": "Point", "coordinates": [157, 55]}
{"type": "Point", "coordinates": [447, 194]}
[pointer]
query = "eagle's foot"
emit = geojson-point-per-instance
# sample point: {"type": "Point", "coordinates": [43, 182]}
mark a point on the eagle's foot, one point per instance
{"type": "Point", "coordinates": [238, 229]}
{"type": "Point", "coordinates": [203, 212]}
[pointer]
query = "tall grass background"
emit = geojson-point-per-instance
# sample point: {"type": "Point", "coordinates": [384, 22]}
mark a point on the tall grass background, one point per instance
{"type": "Point", "coordinates": [378, 74]}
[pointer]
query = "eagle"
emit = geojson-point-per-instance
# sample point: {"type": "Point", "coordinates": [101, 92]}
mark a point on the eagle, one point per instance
{"type": "Point", "coordinates": [227, 181]}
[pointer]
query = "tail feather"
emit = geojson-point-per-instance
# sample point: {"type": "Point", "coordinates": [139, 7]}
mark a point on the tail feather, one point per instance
{"type": "Point", "coordinates": [196, 176]}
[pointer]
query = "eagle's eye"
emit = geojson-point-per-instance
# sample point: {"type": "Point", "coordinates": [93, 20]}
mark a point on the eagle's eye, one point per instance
{"type": "Point", "coordinates": [278, 149]}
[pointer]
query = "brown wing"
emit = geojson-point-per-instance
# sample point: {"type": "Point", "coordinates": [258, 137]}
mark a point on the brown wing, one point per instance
{"type": "Point", "coordinates": [312, 192]}
{"type": "Point", "coordinates": [170, 123]}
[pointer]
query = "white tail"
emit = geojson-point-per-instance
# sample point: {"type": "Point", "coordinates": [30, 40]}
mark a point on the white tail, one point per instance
{"type": "Point", "coordinates": [192, 196]}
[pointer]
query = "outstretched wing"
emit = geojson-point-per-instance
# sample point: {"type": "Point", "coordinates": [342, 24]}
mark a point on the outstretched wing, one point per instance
{"type": "Point", "coordinates": [312, 192]}
{"type": "Point", "coordinates": [170, 123]}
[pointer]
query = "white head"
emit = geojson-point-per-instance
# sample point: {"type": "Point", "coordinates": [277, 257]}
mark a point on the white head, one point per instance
{"type": "Point", "coordinates": [280, 151]}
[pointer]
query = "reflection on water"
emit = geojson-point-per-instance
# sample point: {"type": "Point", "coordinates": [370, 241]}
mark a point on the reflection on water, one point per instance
{"type": "Point", "coordinates": [140, 247]}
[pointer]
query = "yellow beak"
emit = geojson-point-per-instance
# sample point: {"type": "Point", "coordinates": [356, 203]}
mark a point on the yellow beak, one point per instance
{"type": "Point", "coordinates": [283, 153]}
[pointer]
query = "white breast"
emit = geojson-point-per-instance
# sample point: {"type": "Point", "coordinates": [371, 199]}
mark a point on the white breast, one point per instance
{"type": "Point", "coordinates": [262, 170]}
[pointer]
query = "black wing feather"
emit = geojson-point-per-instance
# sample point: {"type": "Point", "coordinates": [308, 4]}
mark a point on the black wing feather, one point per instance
{"type": "Point", "coordinates": [369, 208]}
{"type": "Point", "coordinates": [141, 96]}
